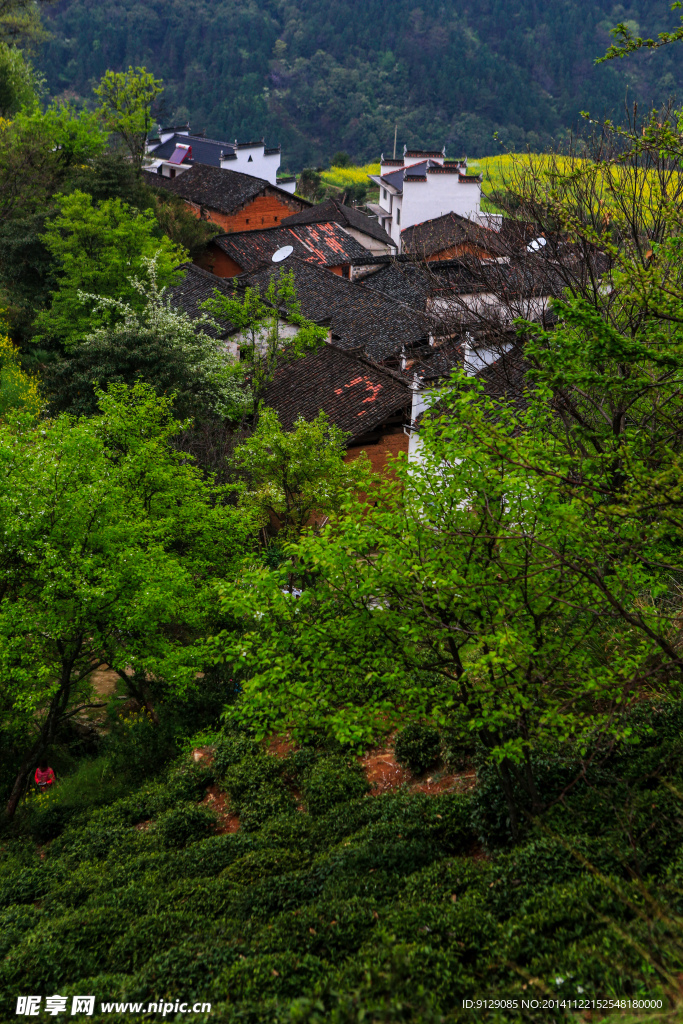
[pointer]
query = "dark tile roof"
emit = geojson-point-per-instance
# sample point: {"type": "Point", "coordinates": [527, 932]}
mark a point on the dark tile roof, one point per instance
{"type": "Point", "coordinates": [195, 288]}
{"type": "Point", "coordinates": [433, 236]}
{"type": "Point", "coordinates": [424, 152]}
{"type": "Point", "coordinates": [418, 172]}
{"type": "Point", "coordinates": [204, 151]}
{"type": "Point", "coordinates": [403, 281]}
{"type": "Point", "coordinates": [347, 216]}
{"type": "Point", "coordinates": [506, 376]}
{"type": "Point", "coordinates": [360, 318]}
{"type": "Point", "coordinates": [217, 188]}
{"type": "Point", "coordinates": [325, 244]}
{"type": "Point", "coordinates": [356, 394]}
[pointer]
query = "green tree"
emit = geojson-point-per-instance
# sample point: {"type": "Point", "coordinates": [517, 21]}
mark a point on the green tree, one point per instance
{"type": "Point", "coordinates": [101, 251]}
{"type": "Point", "coordinates": [157, 344]}
{"type": "Point", "coordinates": [20, 21]}
{"type": "Point", "coordinates": [40, 154]}
{"type": "Point", "coordinates": [18, 389]}
{"type": "Point", "coordinates": [19, 84]}
{"type": "Point", "coordinates": [126, 108]}
{"type": "Point", "coordinates": [112, 546]}
{"type": "Point", "coordinates": [520, 580]}
{"type": "Point", "coordinates": [297, 474]}
{"type": "Point", "coordinates": [271, 327]}
{"type": "Point", "coordinates": [487, 589]}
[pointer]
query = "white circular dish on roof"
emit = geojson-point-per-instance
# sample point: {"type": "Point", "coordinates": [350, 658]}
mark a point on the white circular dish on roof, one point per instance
{"type": "Point", "coordinates": [537, 244]}
{"type": "Point", "coordinates": [282, 253]}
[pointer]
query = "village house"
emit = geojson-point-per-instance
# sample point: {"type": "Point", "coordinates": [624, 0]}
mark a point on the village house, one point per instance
{"type": "Point", "coordinates": [234, 201]}
{"type": "Point", "coordinates": [326, 244]}
{"type": "Point", "coordinates": [423, 185]}
{"type": "Point", "coordinates": [376, 375]}
{"type": "Point", "coordinates": [369, 403]}
{"type": "Point", "coordinates": [364, 229]}
{"type": "Point", "coordinates": [363, 321]}
{"type": "Point", "coordinates": [175, 150]}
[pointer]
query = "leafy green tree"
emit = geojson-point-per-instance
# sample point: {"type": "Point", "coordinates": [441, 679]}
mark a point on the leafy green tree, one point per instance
{"type": "Point", "coordinates": [19, 83]}
{"type": "Point", "coordinates": [112, 546]}
{"type": "Point", "coordinates": [126, 108]}
{"type": "Point", "coordinates": [179, 224]}
{"type": "Point", "coordinates": [271, 327]}
{"type": "Point", "coordinates": [20, 21]}
{"type": "Point", "coordinates": [298, 474]}
{"type": "Point", "coordinates": [40, 153]}
{"type": "Point", "coordinates": [18, 389]}
{"type": "Point", "coordinates": [101, 251]}
{"type": "Point", "coordinates": [154, 343]}
{"type": "Point", "coordinates": [487, 588]}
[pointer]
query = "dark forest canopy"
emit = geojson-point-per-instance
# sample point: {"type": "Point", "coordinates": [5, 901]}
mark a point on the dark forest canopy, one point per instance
{"type": "Point", "coordinates": [320, 76]}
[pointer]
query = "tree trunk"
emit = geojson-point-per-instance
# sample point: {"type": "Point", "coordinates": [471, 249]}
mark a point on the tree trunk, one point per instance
{"type": "Point", "coordinates": [505, 777]}
{"type": "Point", "coordinates": [22, 778]}
{"type": "Point", "coordinates": [58, 706]}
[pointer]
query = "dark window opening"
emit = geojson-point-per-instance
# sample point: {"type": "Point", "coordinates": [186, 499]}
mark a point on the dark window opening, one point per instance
{"type": "Point", "coordinates": [250, 160]}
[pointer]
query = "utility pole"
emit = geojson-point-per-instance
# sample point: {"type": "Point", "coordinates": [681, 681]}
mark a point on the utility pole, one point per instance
{"type": "Point", "coordinates": [395, 134]}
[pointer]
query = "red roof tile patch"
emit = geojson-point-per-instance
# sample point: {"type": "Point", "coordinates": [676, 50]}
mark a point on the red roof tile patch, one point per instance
{"type": "Point", "coordinates": [329, 379]}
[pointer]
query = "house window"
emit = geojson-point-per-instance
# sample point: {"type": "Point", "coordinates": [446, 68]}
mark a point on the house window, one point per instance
{"type": "Point", "coordinates": [247, 220]}
{"type": "Point", "coordinates": [384, 193]}
{"type": "Point", "coordinates": [275, 219]}
{"type": "Point", "coordinates": [172, 170]}
{"type": "Point", "coordinates": [250, 160]}
{"type": "Point", "coordinates": [398, 215]}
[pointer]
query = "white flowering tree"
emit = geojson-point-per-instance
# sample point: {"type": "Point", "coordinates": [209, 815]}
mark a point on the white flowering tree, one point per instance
{"type": "Point", "coordinates": [158, 344]}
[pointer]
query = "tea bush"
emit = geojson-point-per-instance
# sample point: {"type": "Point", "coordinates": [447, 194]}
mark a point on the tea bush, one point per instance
{"type": "Point", "coordinates": [366, 908]}
{"type": "Point", "coordinates": [184, 825]}
{"type": "Point", "coordinates": [418, 747]}
{"type": "Point", "coordinates": [332, 780]}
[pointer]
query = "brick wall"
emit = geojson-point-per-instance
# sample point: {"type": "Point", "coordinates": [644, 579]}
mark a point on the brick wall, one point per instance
{"type": "Point", "coordinates": [389, 444]}
{"type": "Point", "coordinates": [262, 212]}
{"type": "Point", "coordinates": [460, 249]}
{"type": "Point", "coordinates": [218, 262]}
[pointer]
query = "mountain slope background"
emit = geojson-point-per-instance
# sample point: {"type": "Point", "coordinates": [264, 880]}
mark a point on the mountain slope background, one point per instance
{"type": "Point", "coordinates": [324, 75]}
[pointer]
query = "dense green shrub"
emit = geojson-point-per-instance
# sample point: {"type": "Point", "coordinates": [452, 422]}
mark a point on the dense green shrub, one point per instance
{"type": "Point", "coordinates": [332, 780]}
{"type": "Point", "coordinates": [232, 748]}
{"type": "Point", "coordinates": [380, 906]}
{"type": "Point", "coordinates": [418, 747]}
{"type": "Point", "coordinates": [184, 825]}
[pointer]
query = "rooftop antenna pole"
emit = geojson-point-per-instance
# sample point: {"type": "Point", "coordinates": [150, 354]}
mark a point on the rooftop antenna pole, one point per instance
{"type": "Point", "coordinates": [395, 134]}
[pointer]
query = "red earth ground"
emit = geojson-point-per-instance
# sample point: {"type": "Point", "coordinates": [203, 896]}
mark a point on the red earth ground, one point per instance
{"type": "Point", "coordinates": [381, 768]}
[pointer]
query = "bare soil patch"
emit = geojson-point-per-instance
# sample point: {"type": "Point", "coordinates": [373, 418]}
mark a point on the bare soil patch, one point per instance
{"type": "Point", "coordinates": [219, 802]}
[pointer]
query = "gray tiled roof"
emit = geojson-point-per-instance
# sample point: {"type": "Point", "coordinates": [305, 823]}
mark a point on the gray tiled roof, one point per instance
{"type": "Point", "coordinates": [357, 395]}
{"type": "Point", "coordinates": [326, 244]}
{"type": "Point", "coordinates": [360, 319]}
{"type": "Point", "coordinates": [347, 216]}
{"type": "Point", "coordinates": [218, 188]}
{"type": "Point", "coordinates": [195, 288]}
{"type": "Point", "coordinates": [431, 236]}
{"type": "Point", "coordinates": [204, 151]}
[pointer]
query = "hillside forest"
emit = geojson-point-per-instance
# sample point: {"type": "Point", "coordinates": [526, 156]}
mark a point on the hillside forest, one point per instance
{"type": "Point", "coordinates": [284, 740]}
{"type": "Point", "coordinates": [481, 77]}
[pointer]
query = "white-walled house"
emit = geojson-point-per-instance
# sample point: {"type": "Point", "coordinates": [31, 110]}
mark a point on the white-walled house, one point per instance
{"type": "Point", "coordinates": [175, 150]}
{"type": "Point", "coordinates": [421, 186]}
